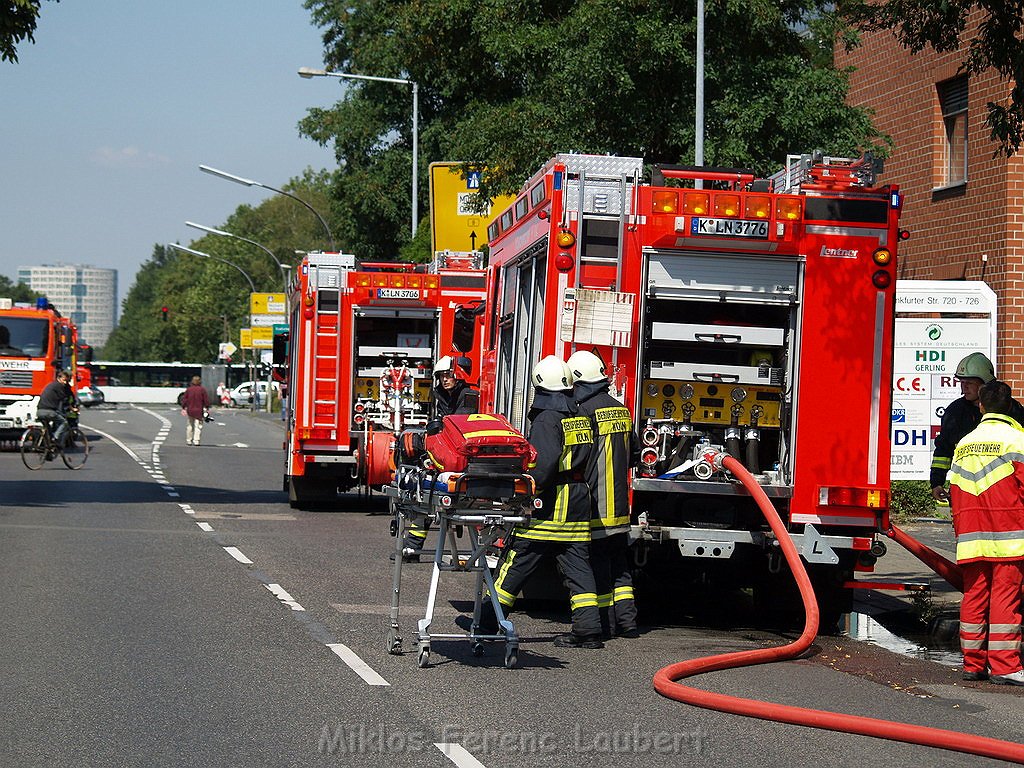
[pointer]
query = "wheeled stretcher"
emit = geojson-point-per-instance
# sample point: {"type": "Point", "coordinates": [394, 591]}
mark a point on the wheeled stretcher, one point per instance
{"type": "Point", "coordinates": [486, 497]}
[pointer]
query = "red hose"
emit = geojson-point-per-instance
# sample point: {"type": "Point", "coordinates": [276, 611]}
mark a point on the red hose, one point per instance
{"type": "Point", "coordinates": [666, 680]}
{"type": "Point", "coordinates": [948, 570]}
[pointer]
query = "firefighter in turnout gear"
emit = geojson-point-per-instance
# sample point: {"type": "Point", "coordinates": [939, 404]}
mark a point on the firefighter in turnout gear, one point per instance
{"type": "Point", "coordinates": [616, 449]}
{"type": "Point", "coordinates": [561, 527]}
{"type": "Point", "coordinates": [452, 394]}
{"type": "Point", "coordinates": [961, 416]}
{"type": "Point", "coordinates": [987, 497]}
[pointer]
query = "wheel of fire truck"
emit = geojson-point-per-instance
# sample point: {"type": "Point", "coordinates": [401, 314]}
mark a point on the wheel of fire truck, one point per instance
{"type": "Point", "coordinates": [311, 493]}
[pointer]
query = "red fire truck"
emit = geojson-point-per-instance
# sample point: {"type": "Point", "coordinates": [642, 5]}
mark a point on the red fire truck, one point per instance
{"type": "Point", "coordinates": [35, 342]}
{"type": "Point", "coordinates": [362, 341]}
{"type": "Point", "coordinates": [754, 315]}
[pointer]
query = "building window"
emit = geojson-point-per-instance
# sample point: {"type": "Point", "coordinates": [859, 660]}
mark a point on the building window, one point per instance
{"type": "Point", "coordinates": [953, 101]}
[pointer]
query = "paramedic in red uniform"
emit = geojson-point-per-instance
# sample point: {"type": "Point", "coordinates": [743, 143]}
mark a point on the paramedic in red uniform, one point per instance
{"type": "Point", "coordinates": [987, 498]}
{"type": "Point", "coordinates": [563, 439]}
{"type": "Point", "coordinates": [451, 394]}
{"type": "Point", "coordinates": [616, 449]}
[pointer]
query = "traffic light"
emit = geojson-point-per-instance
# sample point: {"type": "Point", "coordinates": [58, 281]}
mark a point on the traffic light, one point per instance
{"type": "Point", "coordinates": [164, 311]}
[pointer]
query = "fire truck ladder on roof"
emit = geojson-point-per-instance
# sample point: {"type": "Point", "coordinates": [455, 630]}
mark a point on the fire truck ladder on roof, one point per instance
{"type": "Point", "coordinates": [326, 384]}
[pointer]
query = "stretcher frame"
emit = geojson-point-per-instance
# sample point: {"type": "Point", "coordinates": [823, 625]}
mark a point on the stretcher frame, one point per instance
{"type": "Point", "coordinates": [452, 510]}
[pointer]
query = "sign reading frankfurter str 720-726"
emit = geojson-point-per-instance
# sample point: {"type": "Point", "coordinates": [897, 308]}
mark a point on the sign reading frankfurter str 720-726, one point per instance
{"type": "Point", "coordinates": [938, 323]}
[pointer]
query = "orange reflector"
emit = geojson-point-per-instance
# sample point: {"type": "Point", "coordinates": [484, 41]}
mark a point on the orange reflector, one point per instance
{"type": "Point", "coordinates": [415, 281]}
{"type": "Point", "coordinates": [380, 281]}
{"type": "Point", "coordinates": [565, 239]}
{"type": "Point", "coordinates": [882, 256]}
{"type": "Point", "coordinates": [696, 203]}
{"type": "Point", "coordinates": [362, 280]}
{"type": "Point", "coordinates": [868, 498]}
{"type": "Point", "coordinates": [727, 205]}
{"type": "Point", "coordinates": [315, 433]}
{"type": "Point", "coordinates": [789, 208]}
{"type": "Point", "coordinates": [397, 281]}
{"type": "Point", "coordinates": [431, 281]}
{"type": "Point", "coordinates": [666, 201]}
{"type": "Point", "coordinates": [758, 207]}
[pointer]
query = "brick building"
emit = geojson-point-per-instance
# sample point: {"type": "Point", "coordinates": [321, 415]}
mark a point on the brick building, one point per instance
{"type": "Point", "coordinates": [964, 205]}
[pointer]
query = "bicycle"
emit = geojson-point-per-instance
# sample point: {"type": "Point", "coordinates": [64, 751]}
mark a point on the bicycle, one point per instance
{"type": "Point", "coordinates": [38, 446]}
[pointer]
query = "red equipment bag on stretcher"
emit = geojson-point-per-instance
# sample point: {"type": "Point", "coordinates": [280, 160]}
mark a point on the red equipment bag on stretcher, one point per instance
{"type": "Point", "coordinates": [481, 438]}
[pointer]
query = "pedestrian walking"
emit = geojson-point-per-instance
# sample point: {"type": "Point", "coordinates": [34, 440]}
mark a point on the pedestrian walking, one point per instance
{"type": "Point", "coordinates": [194, 406]}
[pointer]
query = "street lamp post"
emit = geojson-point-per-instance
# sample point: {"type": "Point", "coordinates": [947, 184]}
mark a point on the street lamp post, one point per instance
{"type": "Point", "coordinates": [252, 286]}
{"type": "Point", "coordinates": [308, 72]}
{"type": "Point", "coordinates": [251, 183]}
{"type": "Point", "coordinates": [284, 268]}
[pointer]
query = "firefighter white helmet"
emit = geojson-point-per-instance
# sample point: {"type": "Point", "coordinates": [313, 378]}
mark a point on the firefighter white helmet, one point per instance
{"type": "Point", "coordinates": [976, 366]}
{"type": "Point", "coordinates": [444, 365]}
{"type": "Point", "coordinates": [586, 366]}
{"type": "Point", "coordinates": [552, 373]}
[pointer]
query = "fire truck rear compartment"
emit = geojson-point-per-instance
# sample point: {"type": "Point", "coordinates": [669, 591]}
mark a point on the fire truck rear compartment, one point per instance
{"type": "Point", "coordinates": [717, 349]}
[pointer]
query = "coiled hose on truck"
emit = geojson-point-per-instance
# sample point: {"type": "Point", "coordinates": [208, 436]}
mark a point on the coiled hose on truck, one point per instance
{"type": "Point", "coordinates": [666, 680]}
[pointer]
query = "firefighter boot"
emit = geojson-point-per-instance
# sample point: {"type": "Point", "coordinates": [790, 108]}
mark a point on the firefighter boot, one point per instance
{"type": "Point", "coordinates": [572, 640]}
{"type": "Point", "coordinates": [1014, 678]}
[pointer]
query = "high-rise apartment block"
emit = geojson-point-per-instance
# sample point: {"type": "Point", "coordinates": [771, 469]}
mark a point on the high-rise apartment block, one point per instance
{"type": "Point", "coordinates": [86, 294]}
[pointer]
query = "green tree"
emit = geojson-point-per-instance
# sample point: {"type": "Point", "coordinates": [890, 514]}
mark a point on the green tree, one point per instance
{"type": "Point", "coordinates": [18, 20]}
{"type": "Point", "coordinates": [509, 84]}
{"type": "Point", "coordinates": [16, 291]}
{"type": "Point", "coordinates": [998, 45]}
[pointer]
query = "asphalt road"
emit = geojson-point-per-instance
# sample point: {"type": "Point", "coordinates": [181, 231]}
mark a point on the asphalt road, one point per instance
{"type": "Point", "coordinates": [165, 606]}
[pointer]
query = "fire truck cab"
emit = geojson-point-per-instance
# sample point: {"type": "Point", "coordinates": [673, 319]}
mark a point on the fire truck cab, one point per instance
{"type": "Point", "coordinates": [752, 315]}
{"type": "Point", "coordinates": [35, 342]}
{"type": "Point", "coordinates": [362, 342]}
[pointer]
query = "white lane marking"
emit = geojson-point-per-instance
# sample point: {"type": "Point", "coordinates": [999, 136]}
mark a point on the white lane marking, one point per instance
{"type": "Point", "coordinates": [206, 527]}
{"type": "Point", "coordinates": [237, 554]}
{"type": "Point", "coordinates": [117, 442]}
{"type": "Point", "coordinates": [187, 509]}
{"type": "Point", "coordinates": [239, 445]}
{"type": "Point", "coordinates": [357, 665]}
{"type": "Point", "coordinates": [279, 592]}
{"type": "Point", "coordinates": [116, 421]}
{"type": "Point", "coordinates": [459, 755]}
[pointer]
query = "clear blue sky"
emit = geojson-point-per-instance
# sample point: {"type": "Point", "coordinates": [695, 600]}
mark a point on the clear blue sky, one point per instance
{"type": "Point", "coordinates": [107, 116]}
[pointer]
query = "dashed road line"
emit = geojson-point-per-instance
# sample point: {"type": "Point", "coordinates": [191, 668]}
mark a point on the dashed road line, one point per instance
{"type": "Point", "coordinates": [206, 527]}
{"type": "Point", "coordinates": [279, 592]}
{"type": "Point", "coordinates": [236, 553]}
{"type": "Point", "coordinates": [357, 665]}
{"type": "Point", "coordinates": [459, 755]}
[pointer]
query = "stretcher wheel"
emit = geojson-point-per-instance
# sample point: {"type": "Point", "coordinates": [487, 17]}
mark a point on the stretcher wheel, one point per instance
{"type": "Point", "coordinates": [393, 643]}
{"type": "Point", "coordinates": [478, 649]}
{"type": "Point", "coordinates": [511, 658]}
{"type": "Point", "coordinates": [423, 659]}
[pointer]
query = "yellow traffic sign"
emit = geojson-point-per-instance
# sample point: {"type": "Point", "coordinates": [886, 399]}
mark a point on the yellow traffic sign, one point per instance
{"type": "Point", "coordinates": [266, 303]}
{"type": "Point", "coordinates": [453, 224]}
{"type": "Point", "coordinates": [245, 335]}
{"type": "Point", "coordinates": [263, 337]}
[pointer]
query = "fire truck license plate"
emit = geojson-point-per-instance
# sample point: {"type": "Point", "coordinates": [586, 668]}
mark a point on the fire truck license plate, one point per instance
{"type": "Point", "coordinates": [398, 293]}
{"type": "Point", "coordinates": [731, 227]}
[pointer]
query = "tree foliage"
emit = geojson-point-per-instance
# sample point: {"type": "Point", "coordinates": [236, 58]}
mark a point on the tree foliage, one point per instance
{"type": "Point", "coordinates": [208, 300]}
{"type": "Point", "coordinates": [507, 84]}
{"type": "Point", "coordinates": [998, 45]}
{"type": "Point", "coordinates": [18, 20]}
{"type": "Point", "coordinates": [17, 291]}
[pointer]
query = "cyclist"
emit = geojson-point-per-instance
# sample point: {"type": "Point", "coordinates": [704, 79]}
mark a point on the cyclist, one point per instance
{"type": "Point", "coordinates": [58, 398]}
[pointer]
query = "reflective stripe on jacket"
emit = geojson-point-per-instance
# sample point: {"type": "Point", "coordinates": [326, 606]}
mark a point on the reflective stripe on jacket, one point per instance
{"type": "Point", "coordinates": [987, 491]}
{"type": "Point", "coordinates": [564, 442]}
{"type": "Point", "coordinates": [607, 472]}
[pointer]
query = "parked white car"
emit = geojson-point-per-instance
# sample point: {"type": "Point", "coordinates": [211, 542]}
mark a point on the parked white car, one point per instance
{"type": "Point", "coordinates": [242, 394]}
